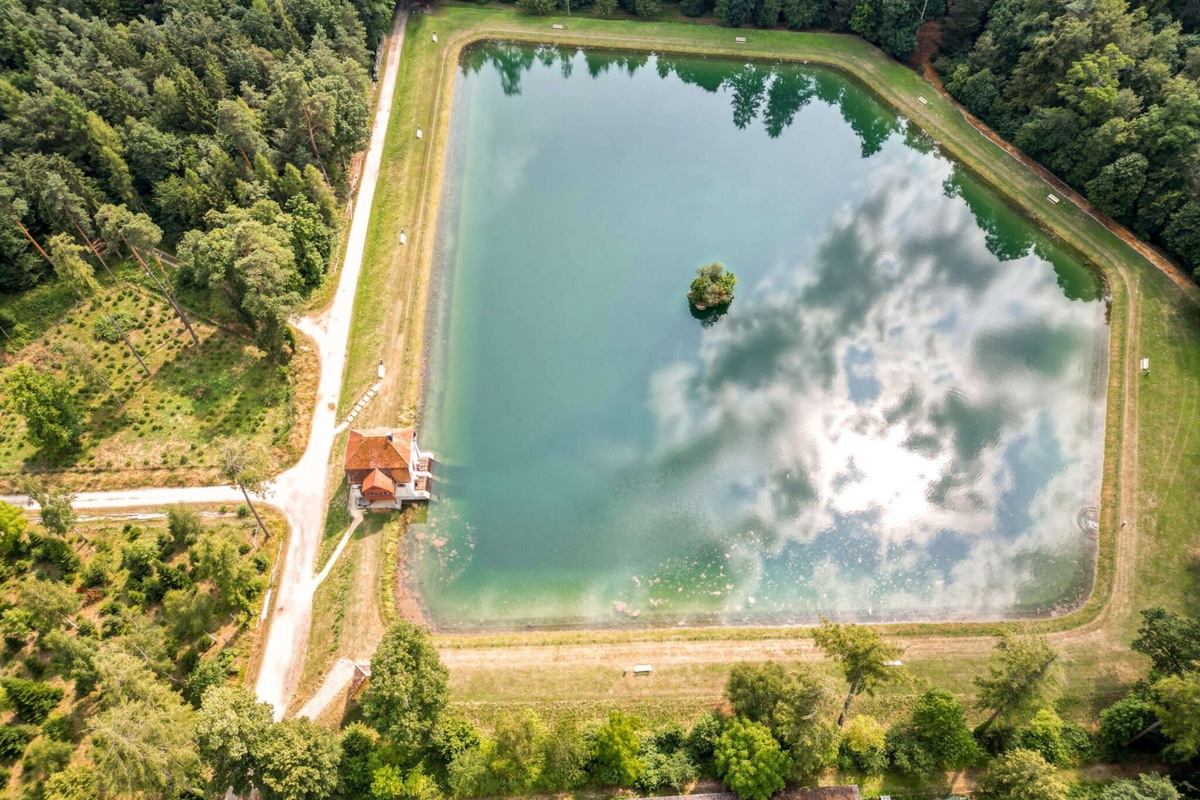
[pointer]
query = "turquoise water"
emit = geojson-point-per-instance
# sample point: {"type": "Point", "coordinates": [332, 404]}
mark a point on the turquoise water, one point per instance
{"type": "Point", "coordinates": [900, 417]}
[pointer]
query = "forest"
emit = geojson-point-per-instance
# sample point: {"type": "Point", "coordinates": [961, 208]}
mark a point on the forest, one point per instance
{"type": "Point", "coordinates": [220, 131]}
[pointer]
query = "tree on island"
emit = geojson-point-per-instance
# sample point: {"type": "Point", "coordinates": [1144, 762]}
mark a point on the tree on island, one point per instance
{"type": "Point", "coordinates": [712, 287]}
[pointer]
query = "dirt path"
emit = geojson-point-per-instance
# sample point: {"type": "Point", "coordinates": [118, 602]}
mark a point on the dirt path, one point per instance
{"type": "Point", "coordinates": [336, 682]}
{"type": "Point", "coordinates": [303, 487]}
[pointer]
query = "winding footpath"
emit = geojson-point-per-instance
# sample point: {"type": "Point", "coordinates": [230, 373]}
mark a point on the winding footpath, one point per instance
{"type": "Point", "coordinates": [300, 492]}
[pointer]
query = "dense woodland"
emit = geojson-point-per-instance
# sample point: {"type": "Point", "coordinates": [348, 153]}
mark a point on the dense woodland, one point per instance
{"type": "Point", "coordinates": [219, 130]}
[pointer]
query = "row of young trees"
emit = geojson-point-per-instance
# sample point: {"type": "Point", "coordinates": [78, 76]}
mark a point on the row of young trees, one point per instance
{"type": "Point", "coordinates": [223, 129]}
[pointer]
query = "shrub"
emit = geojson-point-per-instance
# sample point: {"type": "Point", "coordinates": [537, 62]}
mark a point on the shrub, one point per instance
{"type": "Point", "coordinates": [13, 739]}
{"type": "Point", "coordinates": [538, 8]}
{"type": "Point", "coordinates": [59, 727]}
{"type": "Point", "coordinates": [1022, 775]}
{"type": "Point", "coordinates": [750, 761]}
{"type": "Point", "coordinates": [1146, 787]}
{"type": "Point", "coordinates": [712, 286]}
{"type": "Point", "coordinates": [1060, 743]}
{"type": "Point", "coordinates": [567, 754]}
{"type": "Point", "coordinates": [647, 8]}
{"type": "Point", "coordinates": [617, 749]}
{"type": "Point", "coordinates": [104, 330]}
{"type": "Point", "coordinates": [45, 757]}
{"type": "Point", "coordinates": [1125, 719]}
{"type": "Point", "coordinates": [140, 558]}
{"type": "Point", "coordinates": [604, 8]}
{"type": "Point", "coordinates": [15, 625]}
{"type": "Point", "coordinates": [701, 741]}
{"type": "Point", "coordinates": [940, 724]}
{"type": "Point", "coordinates": [908, 754]}
{"type": "Point", "coordinates": [863, 748]}
{"type": "Point", "coordinates": [32, 700]}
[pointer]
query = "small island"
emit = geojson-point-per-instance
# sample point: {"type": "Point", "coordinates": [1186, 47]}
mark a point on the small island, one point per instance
{"type": "Point", "coordinates": [712, 287]}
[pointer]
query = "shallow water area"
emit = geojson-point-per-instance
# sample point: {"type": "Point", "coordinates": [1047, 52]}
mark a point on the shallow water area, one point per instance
{"type": "Point", "coordinates": [900, 416]}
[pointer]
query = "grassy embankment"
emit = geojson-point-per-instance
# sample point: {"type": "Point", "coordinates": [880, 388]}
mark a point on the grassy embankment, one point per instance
{"type": "Point", "coordinates": [1149, 440]}
{"type": "Point", "coordinates": [173, 420]}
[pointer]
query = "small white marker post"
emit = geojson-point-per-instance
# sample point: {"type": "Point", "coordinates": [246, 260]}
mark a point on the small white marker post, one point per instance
{"type": "Point", "coordinates": [435, 37]}
{"type": "Point", "coordinates": [419, 133]}
{"type": "Point", "coordinates": [403, 237]}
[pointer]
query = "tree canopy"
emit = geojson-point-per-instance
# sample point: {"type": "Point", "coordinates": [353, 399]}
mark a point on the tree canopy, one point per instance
{"type": "Point", "coordinates": [408, 690]}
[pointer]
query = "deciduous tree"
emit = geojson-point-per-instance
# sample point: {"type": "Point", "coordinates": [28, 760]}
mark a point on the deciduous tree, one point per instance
{"type": "Point", "coordinates": [1023, 676]}
{"type": "Point", "coordinates": [53, 420]}
{"type": "Point", "coordinates": [408, 691]}
{"type": "Point", "coordinates": [863, 654]}
{"type": "Point", "coordinates": [749, 760]}
{"type": "Point", "coordinates": [1022, 775]}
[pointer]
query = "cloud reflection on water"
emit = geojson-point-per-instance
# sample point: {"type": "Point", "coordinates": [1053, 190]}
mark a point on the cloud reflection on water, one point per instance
{"type": "Point", "coordinates": [912, 428]}
{"type": "Point", "coordinates": [901, 419]}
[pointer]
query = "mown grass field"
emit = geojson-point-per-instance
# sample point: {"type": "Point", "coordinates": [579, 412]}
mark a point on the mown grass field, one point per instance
{"type": "Point", "coordinates": [1151, 445]}
{"type": "Point", "coordinates": [172, 422]}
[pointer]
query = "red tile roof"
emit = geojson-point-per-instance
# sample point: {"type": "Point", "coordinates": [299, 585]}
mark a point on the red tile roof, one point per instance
{"type": "Point", "coordinates": [378, 484]}
{"type": "Point", "coordinates": [380, 449]}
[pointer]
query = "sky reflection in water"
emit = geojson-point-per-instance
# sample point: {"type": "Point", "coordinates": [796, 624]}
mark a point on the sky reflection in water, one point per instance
{"type": "Point", "coordinates": [900, 417]}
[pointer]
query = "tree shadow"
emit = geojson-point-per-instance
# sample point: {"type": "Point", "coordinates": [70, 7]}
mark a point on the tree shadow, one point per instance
{"type": "Point", "coordinates": [709, 316]}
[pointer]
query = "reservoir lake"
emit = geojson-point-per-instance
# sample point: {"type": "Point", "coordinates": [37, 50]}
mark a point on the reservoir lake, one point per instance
{"type": "Point", "coordinates": [899, 417]}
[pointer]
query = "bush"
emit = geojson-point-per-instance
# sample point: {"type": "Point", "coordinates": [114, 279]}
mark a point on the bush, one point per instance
{"type": "Point", "coordinates": [647, 8]}
{"type": "Point", "coordinates": [140, 558]}
{"type": "Point", "coordinates": [567, 754]}
{"type": "Point", "coordinates": [750, 761]}
{"type": "Point", "coordinates": [32, 700]}
{"type": "Point", "coordinates": [184, 525]}
{"type": "Point", "coordinates": [1125, 719]}
{"type": "Point", "coordinates": [674, 771]}
{"type": "Point", "coordinates": [907, 753]}
{"type": "Point", "coordinates": [863, 748]}
{"type": "Point", "coordinates": [604, 8]}
{"type": "Point", "coordinates": [1022, 775]}
{"type": "Point", "coordinates": [15, 625]}
{"type": "Point", "coordinates": [205, 676]}
{"type": "Point", "coordinates": [617, 750]}
{"type": "Point", "coordinates": [45, 757]}
{"type": "Point", "coordinates": [59, 727]}
{"type": "Point", "coordinates": [1146, 787]}
{"type": "Point", "coordinates": [538, 8]}
{"type": "Point", "coordinates": [701, 741]}
{"type": "Point", "coordinates": [712, 286]}
{"type": "Point", "coordinates": [104, 330]}
{"type": "Point", "coordinates": [13, 739]}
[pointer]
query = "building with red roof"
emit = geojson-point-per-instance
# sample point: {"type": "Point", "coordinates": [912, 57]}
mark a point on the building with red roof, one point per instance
{"type": "Point", "coordinates": [386, 468]}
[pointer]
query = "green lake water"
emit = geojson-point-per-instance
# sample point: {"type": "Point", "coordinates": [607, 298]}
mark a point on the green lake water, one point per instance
{"type": "Point", "coordinates": [901, 416]}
